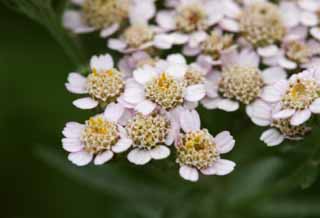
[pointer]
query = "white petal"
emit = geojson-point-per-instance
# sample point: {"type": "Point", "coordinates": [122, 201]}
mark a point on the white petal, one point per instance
{"type": "Point", "coordinates": [287, 64]}
{"type": "Point", "coordinates": [73, 130]}
{"type": "Point", "coordinates": [72, 144]}
{"type": "Point", "coordinates": [177, 70]}
{"type": "Point", "coordinates": [274, 92]}
{"type": "Point", "coordinates": [224, 142]}
{"type": "Point", "coordinates": [210, 103]}
{"type": "Point", "coordinates": [139, 157]}
{"type": "Point", "coordinates": [142, 11]}
{"type": "Point", "coordinates": [85, 103]}
{"type": "Point", "coordinates": [189, 173]}
{"type": "Point", "coordinates": [315, 106]}
{"type": "Point", "coordinates": [283, 114]}
{"type": "Point", "coordinates": [76, 83]}
{"type": "Point", "coordinates": [195, 93]}
{"type": "Point", "coordinates": [272, 137]}
{"type": "Point", "coordinates": [163, 41]}
{"type": "Point", "coordinates": [134, 95]}
{"type": "Point", "coordinates": [122, 145]}
{"type": "Point", "coordinates": [196, 38]}
{"type": "Point", "coordinates": [228, 105]}
{"type": "Point", "coordinates": [103, 158]}
{"type": "Point", "coordinates": [101, 63]}
{"type": "Point", "coordinates": [113, 112]}
{"type": "Point", "coordinates": [229, 25]}
{"type": "Point", "coordinates": [78, 2]}
{"type": "Point", "coordinates": [72, 20]}
{"type": "Point", "coordinates": [273, 74]}
{"type": "Point", "coordinates": [179, 38]}
{"type": "Point", "coordinates": [308, 19]}
{"type": "Point", "coordinates": [300, 117]}
{"type": "Point", "coordinates": [80, 158]}
{"type": "Point", "coordinates": [231, 9]}
{"type": "Point", "coordinates": [188, 51]}
{"type": "Point", "coordinates": [268, 51]}
{"type": "Point", "coordinates": [290, 13]}
{"type": "Point", "coordinates": [117, 44]}
{"type": "Point", "coordinates": [160, 152]}
{"type": "Point", "coordinates": [166, 20]}
{"type": "Point", "coordinates": [176, 59]}
{"type": "Point", "coordinates": [189, 120]}
{"type": "Point", "coordinates": [315, 32]}
{"type": "Point", "coordinates": [144, 74]}
{"type": "Point", "coordinates": [223, 167]}
{"type": "Point", "coordinates": [146, 107]}
{"type": "Point", "coordinates": [108, 31]}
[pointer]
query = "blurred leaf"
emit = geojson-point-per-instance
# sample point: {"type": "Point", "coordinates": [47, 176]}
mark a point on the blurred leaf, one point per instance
{"type": "Point", "coordinates": [48, 14]}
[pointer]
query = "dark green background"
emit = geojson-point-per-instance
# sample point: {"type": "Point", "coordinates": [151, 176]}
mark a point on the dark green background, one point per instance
{"type": "Point", "coordinates": [37, 181]}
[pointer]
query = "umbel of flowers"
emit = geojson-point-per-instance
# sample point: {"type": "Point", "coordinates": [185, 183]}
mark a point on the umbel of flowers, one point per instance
{"type": "Point", "coordinates": [175, 55]}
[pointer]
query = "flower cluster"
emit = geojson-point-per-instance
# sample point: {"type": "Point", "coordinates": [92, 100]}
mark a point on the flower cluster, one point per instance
{"type": "Point", "coordinates": [263, 56]}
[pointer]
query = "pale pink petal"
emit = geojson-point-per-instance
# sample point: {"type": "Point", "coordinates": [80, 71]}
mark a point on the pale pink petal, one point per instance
{"type": "Point", "coordinates": [108, 31]}
{"type": "Point", "coordinates": [195, 93]}
{"type": "Point", "coordinates": [274, 92]}
{"type": "Point", "coordinates": [179, 38]}
{"type": "Point", "coordinates": [134, 95]}
{"type": "Point", "coordinates": [210, 103]}
{"type": "Point", "coordinates": [221, 167]}
{"type": "Point", "coordinates": [139, 157]}
{"type": "Point", "coordinates": [101, 63]}
{"type": "Point", "coordinates": [163, 41]}
{"type": "Point", "coordinates": [315, 32]}
{"type": "Point", "coordinates": [177, 70]}
{"type": "Point", "coordinates": [309, 5]}
{"type": "Point", "coordinates": [189, 120]}
{"type": "Point", "coordinates": [85, 103]}
{"type": "Point", "coordinates": [189, 173]}
{"type": "Point", "coordinates": [73, 130]}
{"type": "Point", "coordinates": [144, 74]}
{"type": "Point", "coordinates": [160, 152]}
{"type": "Point", "coordinates": [117, 44]}
{"type": "Point", "coordinates": [196, 38]}
{"type": "Point", "coordinates": [73, 21]}
{"type": "Point", "coordinates": [273, 74]}
{"type": "Point", "coordinates": [122, 145]}
{"type": "Point", "coordinates": [224, 142]}
{"type": "Point", "coordinates": [145, 107]}
{"type": "Point", "coordinates": [290, 13]}
{"type": "Point", "coordinates": [103, 158]}
{"type": "Point", "coordinates": [80, 158]}
{"type": "Point", "coordinates": [231, 9]}
{"type": "Point", "coordinates": [229, 25]}
{"type": "Point", "coordinates": [72, 144]}
{"type": "Point", "coordinates": [176, 59]}
{"type": "Point", "coordinates": [300, 117]}
{"type": "Point", "coordinates": [188, 51]}
{"type": "Point", "coordinates": [113, 112]}
{"type": "Point", "coordinates": [283, 114]}
{"type": "Point", "coordinates": [268, 51]}
{"type": "Point", "coordinates": [308, 19]}
{"type": "Point", "coordinates": [76, 83]}
{"type": "Point", "coordinates": [315, 106]}
{"type": "Point", "coordinates": [166, 20]}
{"type": "Point", "coordinates": [142, 11]}
{"type": "Point", "coordinates": [287, 64]}
{"type": "Point", "coordinates": [272, 137]}
{"type": "Point", "coordinates": [228, 105]}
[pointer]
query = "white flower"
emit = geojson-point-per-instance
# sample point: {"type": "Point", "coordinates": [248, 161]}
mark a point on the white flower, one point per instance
{"type": "Point", "coordinates": [106, 16]}
{"type": "Point", "coordinates": [266, 114]}
{"type": "Point", "coordinates": [298, 97]}
{"type": "Point", "coordinates": [240, 81]}
{"type": "Point", "coordinates": [198, 151]}
{"type": "Point", "coordinates": [189, 20]}
{"type": "Point", "coordinates": [151, 134]}
{"type": "Point", "coordinates": [104, 84]}
{"type": "Point", "coordinates": [163, 85]}
{"type": "Point", "coordinates": [99, 138]}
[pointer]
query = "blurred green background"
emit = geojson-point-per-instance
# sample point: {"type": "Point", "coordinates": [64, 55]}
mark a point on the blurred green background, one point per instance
{"type": "Point", "coordinates": [38, 181]}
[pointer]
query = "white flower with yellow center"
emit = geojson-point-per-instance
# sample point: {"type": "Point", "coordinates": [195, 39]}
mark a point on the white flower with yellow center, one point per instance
{"type": "Point", "coordinates": [106, 15]}
{"type": "Point", "coordinates": [151, 134]}
{"type": "Point", "coordinates": [99, 138]}
{"type": "Point", "coordinates": [161, 86]}
{"type": "Point", "coordinates": [136, 37]}
{"type": "Point", "coordinates": [298, 97]}
{"type": "Point", "coordinates": [240, 81]}
{"type": "Point", "coordinates": [265, 114]}
{"type": "Point", "coordinates": [188, 21]}
{"type": "Point", "coordinates": [103, 85]}
{"type": "Point", "coordinates": [198, 151]}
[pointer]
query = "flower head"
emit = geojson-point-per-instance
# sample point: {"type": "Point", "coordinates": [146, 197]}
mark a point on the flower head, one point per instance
{"type": "Point", "coordinates": [104, 84]}
{"type": "Point", "coordinates": [198, 150]}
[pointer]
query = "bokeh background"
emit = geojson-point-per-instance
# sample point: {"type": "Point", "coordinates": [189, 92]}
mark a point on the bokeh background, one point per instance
{"type": "Point", "coordinates": [38, 181]}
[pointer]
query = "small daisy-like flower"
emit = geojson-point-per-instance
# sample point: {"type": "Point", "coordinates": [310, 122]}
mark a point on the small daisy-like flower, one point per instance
{"type": "Point", "coordinates": [265, 114]}
{"type": "Point", "coordinates": [189, 20]}
{"type": "Point", "coordinates": [104, 84]}
{"type": "Point", "coordinates": [106, 15]}
{"type": "Point", "coordinates": [261, 24]}
{"type": "Point", "coordinates": [197, 150]}
{"type": "Point", "coordinates": [298, 97]}
{"type": "Point", "coordinates": [163, 85]}
{"type": "Point", "coordinates": [135, 38]}
{"type": "Point", "coordinates": [240, 81]}
{"type": "Point", "coordinates": [99, 138]}
{"type": "Point", "coordinates": [151, 134]}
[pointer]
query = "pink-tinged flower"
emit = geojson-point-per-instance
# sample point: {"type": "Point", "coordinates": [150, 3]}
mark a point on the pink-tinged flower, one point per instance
{"type": "Point", "coordinates": [266, 114]}
{"type": "Point", "coordinates": [198, 151]}
{"type": "Point", "coordinates": [151, 135]}
{"type": "Point", "coordinates": [240, 81]}
{"type": "Point", "coordinates": [136, 37]}
{"type": "Point", "coordinates": [99, 138]}
{"type": "Point", "coordinates": [131, 62]}
{"type": "Point", "coordinates": [106, 16]}
{"type": "Point", "coordinates": [188, 21]}
{"type": "Point", "coordinates": [165, 85]}
{"type": "Point", "coordinates": [298, 97]}
{"type": "Point", "coordinates": [103, 85]}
